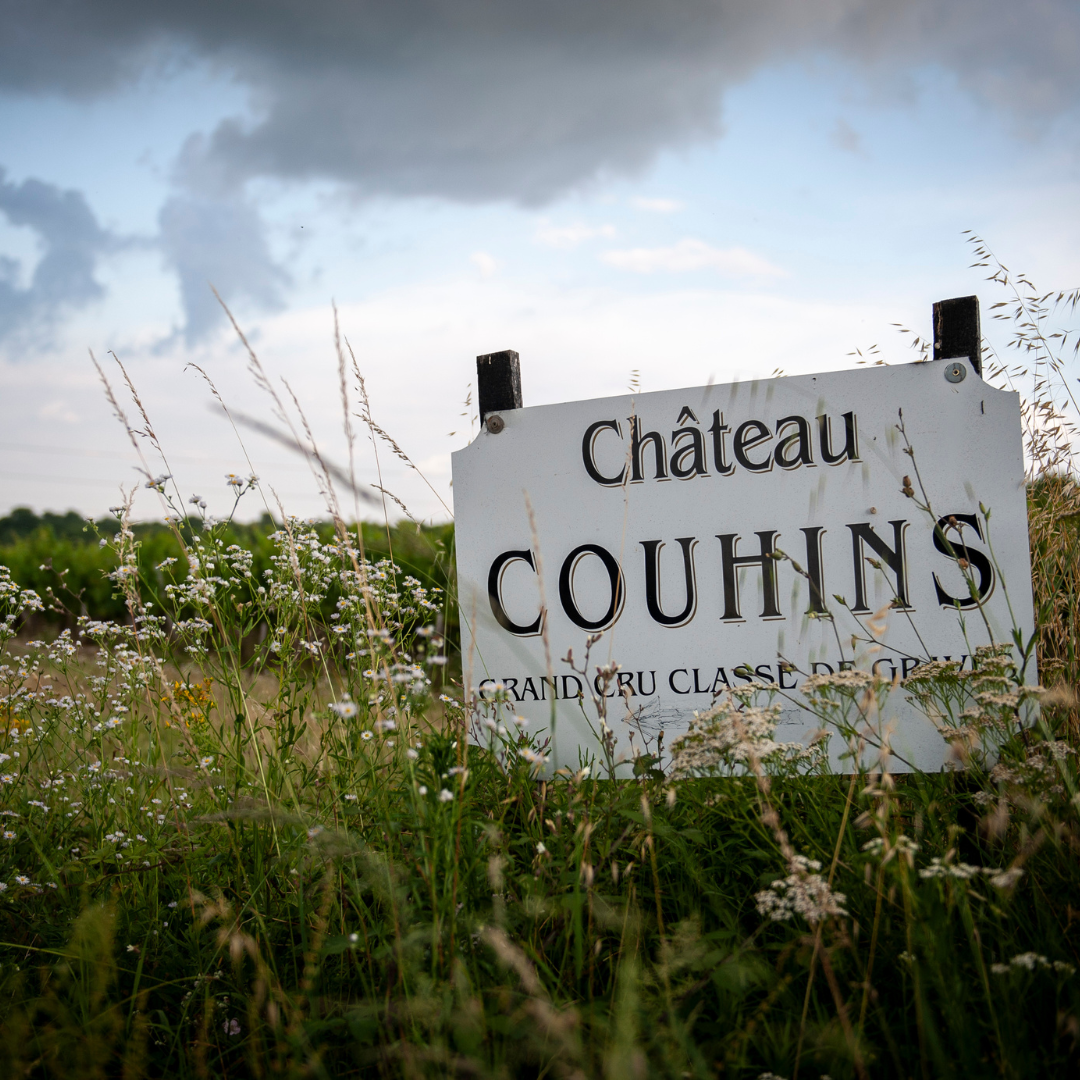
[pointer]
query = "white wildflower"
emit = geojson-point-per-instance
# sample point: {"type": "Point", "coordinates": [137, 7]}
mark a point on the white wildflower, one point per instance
{"type": "Point", "coordinates": [803, 892]}
{"type": "Point", "coordinates": [727, 734]}
{"type": "Point", "coordinates": [961, 871]}
{"type": "Point", "coordinates": [1007, 878]}
{"type": "Point", "coordinates": [1030, 961]}
{"type": "Point", "coordinates": [887, 850]}
{"type": "Point", "coordinates": [845, 682]}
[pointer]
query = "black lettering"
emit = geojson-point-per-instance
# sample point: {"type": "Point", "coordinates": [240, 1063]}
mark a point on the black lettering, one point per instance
{"type": "Point", "coordinates": [671, 680]}
{"type": "Point", "coordinates": [695, 450]}
{"type": "Point", "coordinates": [744, 672]}
{"type": "Point", "coordinates": [907, 665]}
{"type": "Point", "coordinates": [767, 677]}
{"type": "Point", "coordinates": [894, 557]}
{"type": "Point", "coordinates": [820, 664]}
{"type": "Point", "coordinates": [815, 570]}
{"type": "Point", "coordinates": [566, 692]}
{"type": "Point", "coordinates": [750, 434]}
{"type": "Point", "coordinates": [957, 550]}
{"type": "Point", "coordinates": [721, 679]}
{"type": "Point", "coordinates": [495, 576]}
{"type": "Point", "coordinates": [599, 684]}
{"type": "Point", "coordinates": [511, 685]}
{"type": "Point", "coordinates": [731, 563]}
{"type": "Point", "coordinates": [846, 665]}
{"type": "Point", "coordinates": [551, 683]}
{"type": "Point", "coordinates": [529, 687]}
{"type": "Point", "coordinates": [588, 448]}
{"type": "Point", "coordinates": [626, 681]}
{"type": "Point", "coordinates": [699, 689]}
{"type": "Point", "coordinates": [851, 440]}
{"type": "Point", "coordinates": [652, 581]}
{"type": "Point", "coordinates": [481, 689]}
{"type": "Point", "coordinates": [637, 450]}
{"type": "Point", "coordinates": [884, 660]}
{"type": "Point", "coordinates": [566, 587]}
{"type": "Point", "coordinates": [786, 669]}
{"type": "Point", "coordinates": [718, 430]}
{"type": "Point", "coordinates": [641, 684]}
{"type": "Point", "coordinates": [799, 439]}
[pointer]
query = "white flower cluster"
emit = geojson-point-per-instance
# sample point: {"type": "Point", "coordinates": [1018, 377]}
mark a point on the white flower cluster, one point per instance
{"type": "Point", "coordinates": [932, 670]}
{"type": "Point", "coordinates": [15, 598]}
{"type": "Point", "coordinates": [961, 871]}
{"type": "Point", "coordinates": [730, 735]}
{"type": "Point", "coordinates": [886, 850]}
{"type": "Point", "coordinates": [846, 683]}
{"type": "Point", "coordinates": [803, 892]}
{"type": "Point", "coordinates": [1029, 961]}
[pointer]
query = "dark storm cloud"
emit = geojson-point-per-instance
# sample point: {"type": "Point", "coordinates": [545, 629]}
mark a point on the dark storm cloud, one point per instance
{"type": "Point", "coordinates": [71, 243]}
{"type": "Point", "coordinates": [477, 100]}
{"type": "Point", "coordinates": [502, 99]}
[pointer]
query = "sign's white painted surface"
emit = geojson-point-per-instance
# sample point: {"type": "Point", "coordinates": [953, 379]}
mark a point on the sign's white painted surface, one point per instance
{"type": "Point", "coordinates": [654, 517]}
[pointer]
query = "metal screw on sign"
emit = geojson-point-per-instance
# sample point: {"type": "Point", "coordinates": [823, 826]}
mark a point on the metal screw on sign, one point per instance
{"type": "Point", "coordinates": [494, 423]}
{"type": "Point", "coordinates": [955, 373]}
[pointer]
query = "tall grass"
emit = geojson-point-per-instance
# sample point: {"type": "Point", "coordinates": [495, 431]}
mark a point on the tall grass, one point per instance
{"type": "Point", "coordinates": [255, 827]}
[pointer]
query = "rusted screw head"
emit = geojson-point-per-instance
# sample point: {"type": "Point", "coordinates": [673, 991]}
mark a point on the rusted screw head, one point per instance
{"type": "Point", "coordinates": [955, 372]}
{"type": "Point", "coordinates": [494, 423]}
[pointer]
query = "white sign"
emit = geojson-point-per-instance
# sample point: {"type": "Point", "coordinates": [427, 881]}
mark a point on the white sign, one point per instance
{"type": "Point", "coordinates": [655, 519]}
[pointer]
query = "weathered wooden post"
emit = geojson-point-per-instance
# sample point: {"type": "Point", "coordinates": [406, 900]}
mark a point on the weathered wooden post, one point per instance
{"type": "Point", "coordinates": [957, 331]}
{"type": "Point", "coordinates": [498, 385]}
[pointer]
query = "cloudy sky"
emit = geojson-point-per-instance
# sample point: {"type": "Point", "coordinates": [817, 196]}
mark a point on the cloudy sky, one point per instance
{"type": "Point", "coordinates": [682, 189]}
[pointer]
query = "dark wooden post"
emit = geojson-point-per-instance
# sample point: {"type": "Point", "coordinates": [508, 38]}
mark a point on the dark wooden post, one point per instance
{"type": "Point", "coordinates": [498, 382]}
{"type": "Point", "coordinates": [957, 331]}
